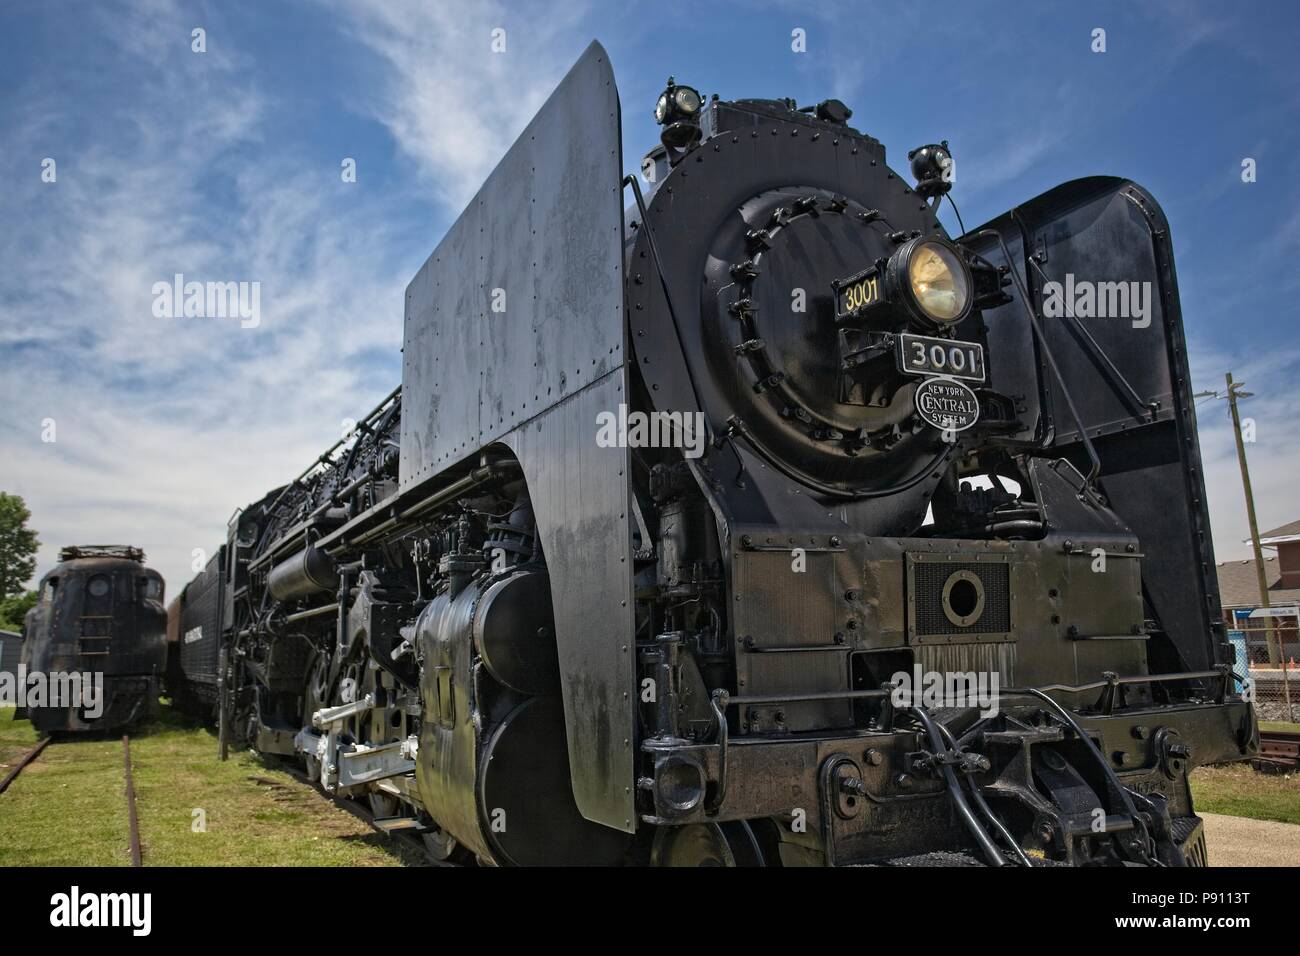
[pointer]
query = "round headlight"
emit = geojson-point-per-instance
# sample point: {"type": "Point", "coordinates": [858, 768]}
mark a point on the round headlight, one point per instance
{"type": "Point", "coordinates": [939, 281]}
{"type": "Point", "coordinates": [661, 108]}
{"type": "Point", "coordinates": [687, 100]}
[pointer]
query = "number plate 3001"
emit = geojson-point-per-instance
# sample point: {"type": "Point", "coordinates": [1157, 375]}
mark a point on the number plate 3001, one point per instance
{"type": "Point", "coordinates": [922, 355]}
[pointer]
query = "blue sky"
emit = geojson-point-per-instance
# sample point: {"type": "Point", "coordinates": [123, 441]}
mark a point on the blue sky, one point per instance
{"type": "Point", "coordinates": [225, 165]}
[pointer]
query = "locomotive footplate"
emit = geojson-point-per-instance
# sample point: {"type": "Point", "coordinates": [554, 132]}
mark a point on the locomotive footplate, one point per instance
{"type": "Point", "coordinates": [872, 797]}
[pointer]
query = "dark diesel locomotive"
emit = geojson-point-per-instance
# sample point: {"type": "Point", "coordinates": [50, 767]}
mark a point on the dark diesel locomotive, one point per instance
{"type": "Point", "coordinates": [95, 641]}
{"type": "Point", "coordinates": [675, 505]}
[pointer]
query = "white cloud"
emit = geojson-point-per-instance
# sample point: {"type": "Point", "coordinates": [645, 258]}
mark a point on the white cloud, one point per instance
{"type": "Point", "coordinates": [452, 104]}
{"type": "Point", "coordinates": [164, 426]}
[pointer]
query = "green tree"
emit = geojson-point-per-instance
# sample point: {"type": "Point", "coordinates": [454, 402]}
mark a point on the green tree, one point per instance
{"type": "Point", "coordinates": [18, 546]}
{"type": "Point", "coordinates": [14, 609]}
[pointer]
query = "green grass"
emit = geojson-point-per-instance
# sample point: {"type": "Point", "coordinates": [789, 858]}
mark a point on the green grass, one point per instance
{"type": "Point", "coordinates": [1241, 791]}
{"type": "Point", "coordinates": [16, 738]}
{"type": "Point", "coordinates": [69, 808]}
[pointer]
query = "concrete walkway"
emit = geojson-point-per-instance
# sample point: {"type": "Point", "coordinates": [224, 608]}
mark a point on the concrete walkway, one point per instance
{"type": "Point", "coordinates": [1238, 841]}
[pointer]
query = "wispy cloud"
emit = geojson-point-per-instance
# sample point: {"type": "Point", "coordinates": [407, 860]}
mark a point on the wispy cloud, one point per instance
{"type": "Point", "coordinates": [164, 426]}
{"type": "Point", "coordinates": [462, 79]}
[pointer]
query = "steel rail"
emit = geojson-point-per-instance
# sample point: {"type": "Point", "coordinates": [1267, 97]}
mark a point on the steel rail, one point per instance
{"type": "Point", "coordinates": [133, 820]}
{"type": "Point", "coordinates": [27, 758]}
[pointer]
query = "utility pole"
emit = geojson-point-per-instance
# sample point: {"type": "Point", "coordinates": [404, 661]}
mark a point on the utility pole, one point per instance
{"type": "Point", "coordinates": [1234, 392]}
{"type": "Point", "coordinates": [1274, 652]}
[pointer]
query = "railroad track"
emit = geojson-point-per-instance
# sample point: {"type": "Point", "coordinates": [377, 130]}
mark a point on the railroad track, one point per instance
{"type": "Point", "coordinates": [362, 812]}
{"type": "Point", "coordinates": [133, 819]}
{"type": "Point", "coordinates": [19, 767]}
{"type": "Point", "coordinates": [131, 816]}
{"type": "Point", "coordinates": [1278, 750]}
{"type": "Point", "coordinates": [358, 809]}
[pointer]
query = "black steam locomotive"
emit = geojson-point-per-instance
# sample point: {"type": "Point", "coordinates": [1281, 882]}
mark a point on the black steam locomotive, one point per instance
{"type": "Point", "coordinates": [93, 646]}
{"type": "Point", "coordinates": [761, 522]}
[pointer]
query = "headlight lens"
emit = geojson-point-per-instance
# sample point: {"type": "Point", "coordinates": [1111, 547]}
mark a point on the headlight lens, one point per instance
{"type": "Point", "coordinates": [688, 100]}
{"type": "Point", "coordinates": [939, 281]}
{"type": "Point", "coordinates": [661, 108]}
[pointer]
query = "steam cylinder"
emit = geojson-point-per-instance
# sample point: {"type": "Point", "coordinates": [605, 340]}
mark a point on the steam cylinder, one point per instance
{"type": "Point", "coordinates": [310, 571]}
